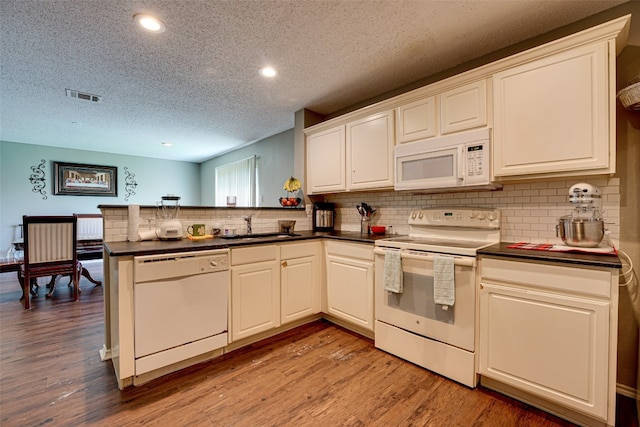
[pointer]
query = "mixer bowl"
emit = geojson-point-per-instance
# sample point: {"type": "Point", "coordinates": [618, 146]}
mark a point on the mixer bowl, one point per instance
{"type": "Point", "coordinates": [583, 233]}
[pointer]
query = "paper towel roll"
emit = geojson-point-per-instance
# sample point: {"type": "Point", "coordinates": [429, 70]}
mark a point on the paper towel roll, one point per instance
{"type": "Point", "coordinates": [147, 235]}
{"type": "Point", "coordinates": [134, 221]}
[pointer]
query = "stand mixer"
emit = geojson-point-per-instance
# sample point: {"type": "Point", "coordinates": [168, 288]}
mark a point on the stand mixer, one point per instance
{"type": "Point", "coordinates": [585, 226]}
{"type": "Point", "coordinates": [169, 227]}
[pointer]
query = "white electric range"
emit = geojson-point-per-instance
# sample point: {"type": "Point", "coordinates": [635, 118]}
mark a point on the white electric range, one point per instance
{"type": "Point", "coordinates": [410, 324]}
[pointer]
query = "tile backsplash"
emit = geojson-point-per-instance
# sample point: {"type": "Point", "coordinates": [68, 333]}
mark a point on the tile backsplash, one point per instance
{"type": "Point", "coordinates": [530, 211]}
{"type": "Point", "coordinates": [263, 220]}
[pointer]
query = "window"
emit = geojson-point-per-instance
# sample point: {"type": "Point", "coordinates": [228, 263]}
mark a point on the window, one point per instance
{"type": "Point", "coordinates": [237, 179]}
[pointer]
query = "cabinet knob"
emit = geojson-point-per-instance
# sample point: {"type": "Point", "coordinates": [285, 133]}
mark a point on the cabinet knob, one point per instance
{"type": "Point", "coordinates": [284, 263]}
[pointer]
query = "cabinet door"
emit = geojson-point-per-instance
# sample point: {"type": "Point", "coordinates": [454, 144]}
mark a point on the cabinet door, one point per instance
{"type": "Point", "coordinates": [417, 120]}
{"type": "Point", "coordinates": [370, 144]}
{"type": "Point", "coordinates": [551, 116]}
{"type": "Point", "coordinates": [464, 107]}
{"type": "Point", "coordinates": [300, 287]}
{"type": "Point", "coordinates": [326, 161]}
{"type": "Point", "coordinates": [255, 298]}
{"type": "Point", "coordinates": [550, 345]}
{"type": "Point", "coordinates": [350, 290]}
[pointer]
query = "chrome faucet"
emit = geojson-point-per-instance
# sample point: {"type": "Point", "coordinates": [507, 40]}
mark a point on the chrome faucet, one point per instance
{"type": "Point", "coordinates": [248, 219]}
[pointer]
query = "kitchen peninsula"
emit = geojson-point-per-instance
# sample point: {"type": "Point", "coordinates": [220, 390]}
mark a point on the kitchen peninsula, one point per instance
{"type": "Point", "coordinates": [281, 263]}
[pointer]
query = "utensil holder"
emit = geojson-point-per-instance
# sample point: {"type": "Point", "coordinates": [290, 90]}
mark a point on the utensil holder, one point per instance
{"type": "Point", "coordinates": [365, 225]}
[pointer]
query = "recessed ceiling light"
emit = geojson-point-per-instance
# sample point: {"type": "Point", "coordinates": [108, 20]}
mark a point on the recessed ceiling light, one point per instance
{"type": "Point", "coordinates": [167, 144]}
{"type": "Point", "coordinates": [268, 71]}
{"type": "Point", "coordinates": [149, 23]}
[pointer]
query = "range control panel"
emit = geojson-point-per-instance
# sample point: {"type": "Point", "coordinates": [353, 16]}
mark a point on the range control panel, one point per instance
{"type": "Point", "coordinates": [456, 217]}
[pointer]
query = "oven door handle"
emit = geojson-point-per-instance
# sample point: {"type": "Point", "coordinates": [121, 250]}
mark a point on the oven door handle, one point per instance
{"type": "Point", "coordinates": [466, 262]}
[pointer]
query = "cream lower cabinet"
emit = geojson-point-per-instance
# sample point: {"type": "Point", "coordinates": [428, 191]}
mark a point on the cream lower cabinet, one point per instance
{"type": "Point", "coordinates": [549, 331]}
{"type": "Point", "coordinates": [300, 280]}
{"type": "Point", "coordinates": [350, 281]}
{"type": "Point", "coordinates": [255, 290]}
{"type": "Point", "coordinates": [552, 116]}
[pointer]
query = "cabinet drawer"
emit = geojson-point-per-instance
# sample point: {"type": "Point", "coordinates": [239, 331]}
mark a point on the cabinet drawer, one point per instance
{"type": "Point", "coordinates": [253, 254]}
{"type": "Point", "coordinates": [579, 279]}
{"type": "Point", "coordinates": [350, 250]}
{"type": "Point", "coordinates": [299, 250]}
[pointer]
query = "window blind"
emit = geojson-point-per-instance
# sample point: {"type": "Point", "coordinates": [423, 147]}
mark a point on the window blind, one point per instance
{"type": "Point", "coordinates": [237, 179]}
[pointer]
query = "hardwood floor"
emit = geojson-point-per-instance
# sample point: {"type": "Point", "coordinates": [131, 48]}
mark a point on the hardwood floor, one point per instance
{"type": "Point", "coordinates": [316, 375]}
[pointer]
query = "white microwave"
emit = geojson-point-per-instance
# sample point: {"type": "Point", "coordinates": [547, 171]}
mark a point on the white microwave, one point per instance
{"type": "Point", "coordinates": [453, 161]}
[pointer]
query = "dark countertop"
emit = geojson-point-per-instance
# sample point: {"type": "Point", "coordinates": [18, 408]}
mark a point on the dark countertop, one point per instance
{"type": "Point", "coordinates": [574, 257]}
{"type": "Point", "coordinates": [153, 247]}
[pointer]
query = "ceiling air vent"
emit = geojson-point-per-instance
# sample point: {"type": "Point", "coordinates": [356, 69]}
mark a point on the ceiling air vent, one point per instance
{"type": "Point", "coordinates": [82, 95]}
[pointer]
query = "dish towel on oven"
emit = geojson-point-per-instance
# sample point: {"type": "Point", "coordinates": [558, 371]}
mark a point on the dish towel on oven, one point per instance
{"type": "Point", "coordinates": [392, 271]}
{"type": "Point", "coordinates": [444, 290]}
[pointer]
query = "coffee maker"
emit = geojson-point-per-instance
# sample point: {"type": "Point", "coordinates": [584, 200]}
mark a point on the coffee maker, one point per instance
{"type": "Point", "coordinates": [323, 216]}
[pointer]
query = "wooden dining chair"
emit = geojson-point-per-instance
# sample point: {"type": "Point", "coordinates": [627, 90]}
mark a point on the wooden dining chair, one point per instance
{"type": "Point", "coordinates": [49, 250]}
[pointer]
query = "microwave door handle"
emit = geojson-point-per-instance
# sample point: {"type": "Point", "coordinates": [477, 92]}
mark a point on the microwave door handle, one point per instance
{"type": "Point", "coordinates": [461, 166]}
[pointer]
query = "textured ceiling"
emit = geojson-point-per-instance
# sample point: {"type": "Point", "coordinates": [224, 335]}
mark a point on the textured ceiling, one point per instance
{"type": "Point", "coordinates": [197, 84]}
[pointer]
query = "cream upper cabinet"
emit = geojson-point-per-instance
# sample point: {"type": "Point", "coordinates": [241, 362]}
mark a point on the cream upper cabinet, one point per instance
{"type": "Point", "coordinates": [417, 120]}
{"type": "Point", "coordinates": [550, 331]}
{"type": "Point", "coordinates": [326, 161]}
{"type": "Point", "coordinates": [351, 157]}
{"type": "Point", "coordinates": [300, 280]}
{"type": "Point", "coordinates": [551, 108]}
{"type": "Point", "coordinates": [552, 115]}
{"type": "Point", "coordinates": [464, 107]}
{"type": "Point", "coordinates": [458, 109]}
{"type": "Point", "coordinates": [370, 144]}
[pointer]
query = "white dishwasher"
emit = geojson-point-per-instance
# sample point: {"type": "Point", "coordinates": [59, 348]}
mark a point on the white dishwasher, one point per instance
{"type": "Point", "coordinates": [180, 306]}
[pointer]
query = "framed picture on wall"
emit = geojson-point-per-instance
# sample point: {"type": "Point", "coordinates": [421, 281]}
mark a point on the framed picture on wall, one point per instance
{"type": "Point", "coordinates": [76, 179]}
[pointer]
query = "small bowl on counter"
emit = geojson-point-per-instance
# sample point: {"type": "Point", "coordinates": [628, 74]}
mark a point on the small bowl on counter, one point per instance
{"type": "Point", "coordinates": [378, 229]}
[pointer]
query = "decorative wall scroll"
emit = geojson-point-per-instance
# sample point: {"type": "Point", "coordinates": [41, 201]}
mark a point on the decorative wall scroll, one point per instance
{"type": "Point", "coordinates": [37, 178]}
{"type": "Point", "coordinates": [84, 180]}
{"type": "Point", "coordinates": [130, 184]}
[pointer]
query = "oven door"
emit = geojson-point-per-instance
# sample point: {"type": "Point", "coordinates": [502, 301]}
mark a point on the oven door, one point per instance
{"type": "Point", "coordinates": [414, 309]}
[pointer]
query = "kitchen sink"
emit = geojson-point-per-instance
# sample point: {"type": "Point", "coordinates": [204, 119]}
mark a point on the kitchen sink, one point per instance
{"type": "Point", "coordinates": [260, 235]}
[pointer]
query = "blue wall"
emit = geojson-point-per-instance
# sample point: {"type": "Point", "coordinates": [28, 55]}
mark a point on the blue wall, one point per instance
{"type": "Point", "coordinates": [275, 164]}
{"type": "Point", "coordinates": [154, 177]}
